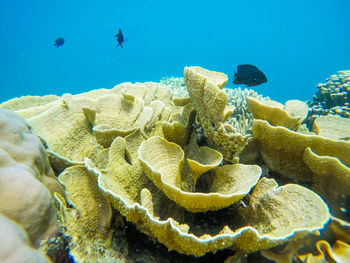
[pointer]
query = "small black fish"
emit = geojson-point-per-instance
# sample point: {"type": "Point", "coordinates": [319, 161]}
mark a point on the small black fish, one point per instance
{"type": "Point", "coordinates": [59, 42]}
{"type": "Point", "coordinates": [120, 38]}
{"type": "Point", "coordinates": [249, 75]}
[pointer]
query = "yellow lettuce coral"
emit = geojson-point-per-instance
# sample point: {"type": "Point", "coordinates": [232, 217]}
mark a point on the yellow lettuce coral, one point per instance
{"type": "Point", "coordinates": [333, 127]}
{"type": "Point", "coordinates": [331, 179]}
{"type": "Point", "coordinates": [201, 159]}
{"type": "Point", "coordinates": [283, 149]}
{"type": "Point", "coordinates": [87, 215]}
{"type": "Point", "coordinates": [92, 120]}
{"type": "Point", "coordinates": [290, 115]}
{"type": "Point", "coordinates": [163, 161]}
{"type": "Point", "coordinates": [153, 213]}
{"type": "Point", "coordinates": [209, 101]}
{"type": "Point", "coordinates": [339, 252]}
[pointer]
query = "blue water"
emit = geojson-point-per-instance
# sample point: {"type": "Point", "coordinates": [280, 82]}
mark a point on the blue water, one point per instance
{"type": "Point", "coordinates": [297, 44]}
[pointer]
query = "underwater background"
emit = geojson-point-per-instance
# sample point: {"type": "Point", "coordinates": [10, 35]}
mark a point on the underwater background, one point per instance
{"type": "Point", "coordinates": [142, 155]}
{"type": "Point", "coordinates": [297, 44]}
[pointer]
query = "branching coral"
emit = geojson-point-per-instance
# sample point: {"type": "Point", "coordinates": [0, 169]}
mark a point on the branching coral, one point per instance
{"type": "Point", "coordinates": [177, 86]}
{"type": "Point", "coordinates": [241, 118]}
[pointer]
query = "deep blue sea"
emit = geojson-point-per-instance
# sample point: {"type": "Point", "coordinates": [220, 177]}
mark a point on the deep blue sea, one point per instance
{"type": "Point", "coordinates": [297, 44]}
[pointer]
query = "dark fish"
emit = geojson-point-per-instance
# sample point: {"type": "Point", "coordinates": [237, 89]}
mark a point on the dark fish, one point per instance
{"type": "Point", "coordinates": [249, 75]}
{"type": "Point", "coordinates": [120, 38]}
{"type": "Point", "coordinates": [59, 42]}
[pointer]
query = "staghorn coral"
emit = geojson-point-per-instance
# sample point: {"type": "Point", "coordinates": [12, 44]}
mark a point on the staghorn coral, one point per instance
{"type": "Point", "coordinates": [241, 118]}
{"type": "Point", "coordinates": [333, 97]}
{"type": "Point", "coordinates": [121, 150]}
{"type": "Point", "coordinates": [177, 86]}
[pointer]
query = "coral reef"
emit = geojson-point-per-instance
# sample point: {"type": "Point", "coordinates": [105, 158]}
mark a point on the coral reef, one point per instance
{"type": "Point", "coordinates": [133, 153]}
{"type": "Point", "coordinates": [333, 97]}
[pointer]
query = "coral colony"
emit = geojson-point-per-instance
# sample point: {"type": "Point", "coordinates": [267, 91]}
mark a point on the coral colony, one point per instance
{"type": "Point", "coordinates": [198, 169]}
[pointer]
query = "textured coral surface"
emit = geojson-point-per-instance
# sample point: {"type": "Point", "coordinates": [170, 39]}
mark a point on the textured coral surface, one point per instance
{"type": "Point", "coordinates": [199, 176]}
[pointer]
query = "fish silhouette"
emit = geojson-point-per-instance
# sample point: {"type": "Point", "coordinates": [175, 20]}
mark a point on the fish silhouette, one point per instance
{"type": "Point", "coordinates": [120, 38]}
{"type": "Point", "coordinates": [249, 75]}
{"type": "Point", "coordinates": [59, 42]}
